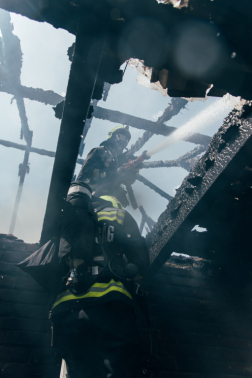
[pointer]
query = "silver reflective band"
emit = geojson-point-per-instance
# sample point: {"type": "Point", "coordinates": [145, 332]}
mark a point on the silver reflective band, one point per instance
{"type": "Point", "coordinates": [99, 258]}
{"type": "Point", "coordinates": [95, 270]}
{"type": "Point", "coordinates": [78, 188]}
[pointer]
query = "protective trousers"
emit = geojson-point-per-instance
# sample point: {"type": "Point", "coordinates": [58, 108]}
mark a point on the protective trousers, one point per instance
{"type": "Point", "coordinates": [100, 342]}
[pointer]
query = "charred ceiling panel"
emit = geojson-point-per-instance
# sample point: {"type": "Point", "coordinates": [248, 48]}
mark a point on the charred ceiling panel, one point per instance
{"type": "Point", "coordinates": [200, 44]}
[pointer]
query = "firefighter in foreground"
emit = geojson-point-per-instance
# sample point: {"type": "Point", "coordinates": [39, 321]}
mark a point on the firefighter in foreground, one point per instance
{"type": "Point", "coordinates": [94, 312]}
{"type": "Point", "coordinates": [101, 164]}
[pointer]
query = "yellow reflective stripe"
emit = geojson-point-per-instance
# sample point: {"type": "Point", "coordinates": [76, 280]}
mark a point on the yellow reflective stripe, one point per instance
{"type": "Point", "coordinates": [108, 287]}
{"type": "Point", "coordinates": [111, 219]}
{"type": "Point", "coordinates": [111, 215]}
{"type": "Point", "coordinates": [108, 212]}
{"type": "Point", "coordinates": [113, 200]}
{"type": "Point", "coordinates": [113, 130]}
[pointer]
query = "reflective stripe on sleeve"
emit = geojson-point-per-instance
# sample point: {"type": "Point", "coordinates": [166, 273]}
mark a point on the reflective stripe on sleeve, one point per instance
{"type": "Point", "coordinates": [79, 188]}
{"type": "Point", "coordinates": [97, 290]}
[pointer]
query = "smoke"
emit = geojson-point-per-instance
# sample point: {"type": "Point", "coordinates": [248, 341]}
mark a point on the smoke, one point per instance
{"type": "Point", "coordinates": [202, 120]}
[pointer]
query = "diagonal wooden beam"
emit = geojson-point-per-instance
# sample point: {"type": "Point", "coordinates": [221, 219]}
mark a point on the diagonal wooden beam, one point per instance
{"type": "Point", "coordinates": [143, 124]}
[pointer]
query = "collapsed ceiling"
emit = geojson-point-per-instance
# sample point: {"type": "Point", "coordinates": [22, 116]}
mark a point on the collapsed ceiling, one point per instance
{"type": "Point", "coordinates": [204, 42]}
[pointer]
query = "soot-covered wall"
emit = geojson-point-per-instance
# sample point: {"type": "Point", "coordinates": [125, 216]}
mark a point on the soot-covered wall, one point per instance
{"type": "Point", "coordinates": [201, 328]}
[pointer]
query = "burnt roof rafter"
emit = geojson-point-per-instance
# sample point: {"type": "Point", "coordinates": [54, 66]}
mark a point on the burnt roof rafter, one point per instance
{"type": "Point", "coordinates": [35, 94]}
{"type": "Point", "coordinates": [143, 124]}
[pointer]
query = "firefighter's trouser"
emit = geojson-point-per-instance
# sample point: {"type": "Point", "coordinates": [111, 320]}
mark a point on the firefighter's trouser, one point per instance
{"type": "Point", "coordinates": [100, 342]}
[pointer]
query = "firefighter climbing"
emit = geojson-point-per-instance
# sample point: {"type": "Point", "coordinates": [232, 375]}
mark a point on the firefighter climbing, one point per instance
{"type": "Point", "coordinates": [94, 313]}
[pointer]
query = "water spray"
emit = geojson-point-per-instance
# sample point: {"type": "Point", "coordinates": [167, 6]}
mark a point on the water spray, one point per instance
{"type": "Point", "coordinates": [203, 119]}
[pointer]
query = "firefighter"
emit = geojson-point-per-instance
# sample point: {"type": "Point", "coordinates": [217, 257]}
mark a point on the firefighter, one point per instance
{"type": "Point", "coordinates": [101, 164]}
{"type": "Point", "coordinates": [97, 333]}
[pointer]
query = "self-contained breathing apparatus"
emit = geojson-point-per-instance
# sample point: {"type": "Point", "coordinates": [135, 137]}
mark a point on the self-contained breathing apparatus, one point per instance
{"type": "Point", "coordinates": [81, 253]}
{"type": "Point", "coordinates": [78, 258]}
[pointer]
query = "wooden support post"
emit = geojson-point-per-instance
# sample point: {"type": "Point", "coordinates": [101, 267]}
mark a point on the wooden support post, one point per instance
{"type": "Point", "coordinates": [86, 59]}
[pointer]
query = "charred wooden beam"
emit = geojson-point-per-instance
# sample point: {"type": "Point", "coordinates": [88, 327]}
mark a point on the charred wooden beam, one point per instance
{"type": "Point", "coordinates": [39, 151]}
{"type": "Point", "coordinates": [173, 109]}
{"type": "Point", "coordinates": [12, 54]}
{"type": "Point", "coordinates": [228, 153]}
{"type": "Point", "coordinates": [23, 169]}
{"type": "Point", "coordinates": [79, 92]}
{"type": "Point", "coordinates": [141, 225]}
{"type": "Point", "coordinates": [161, 164]}
{"type": "Point", "coordinates": [35, 94]}
{"type": "Point", "coordinates": [132, 197]}
{"type": "Point", "coordinates": [87, 125]}
{"type": "Point", "coordinates": [143, 124]}
{"type": "Point", "coordinates": [25, 131]}
{"type": "Point", "coordinates": [140, 142]}
{"type": "Point", "coordinates": [12, 64]}
{"type": "Point", "coordinates": [153, 187]}
{"type": "Point", "coordinates": [106, 90]}
{"type": "Point", "coordinates": [24, 147]}
{"type": "Point", "coordinates": [183, 161]}
{"type": "Point", "coordinates": [146, 219]}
